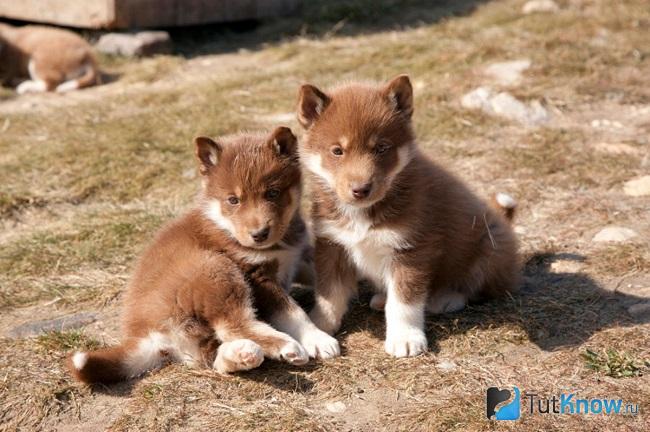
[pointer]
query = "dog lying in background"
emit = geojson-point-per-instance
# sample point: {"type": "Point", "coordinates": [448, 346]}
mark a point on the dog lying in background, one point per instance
{"type": "Point", "coordinates": [202, 289]}
{"type": "Point", "coordinates": [384, 211]}
{"type": "Point", "coordinates": [50, 59]}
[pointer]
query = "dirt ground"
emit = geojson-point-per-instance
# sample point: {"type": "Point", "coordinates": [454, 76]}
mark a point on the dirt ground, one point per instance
{"type": "Point", "coordinates": [87, 178]}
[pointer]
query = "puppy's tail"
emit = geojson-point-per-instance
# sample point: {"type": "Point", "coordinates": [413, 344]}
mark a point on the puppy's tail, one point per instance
{"type": "Point", "coordinates": [119, 363]}
{"type": "Point", "coordinates": [505, 205]}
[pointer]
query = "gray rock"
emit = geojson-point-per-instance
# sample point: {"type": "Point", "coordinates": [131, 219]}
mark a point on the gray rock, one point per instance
{"type": "Point", "coordinates": [446, 366]}
{"type": "Point", "coordinates": [141, 44]}
{"type": "Point", "coordinates": [639, 310]}
{"type": "Point", "coordinates": [614, 234]}
{"type": "Point", "coordinates": [540, 6]}
{"type": "Point", "coordinates": [507, 73]}
{"type": "Point", "coordinates": [505, 105]}
{"type": "Point", "coordinates": [637, 187]}
{"type": "Point", "coordinates": [336, 407]}
{"type": "Point", "coordinates": [69, 322]}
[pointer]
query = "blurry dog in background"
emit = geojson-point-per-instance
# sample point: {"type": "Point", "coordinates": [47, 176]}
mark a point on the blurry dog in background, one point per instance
{"type": "Point", "coordinates": [40, 59]}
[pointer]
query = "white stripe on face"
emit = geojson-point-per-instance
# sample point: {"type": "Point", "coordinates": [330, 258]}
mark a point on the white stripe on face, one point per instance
{"type": "Point", "coordinates": [213, 212]}
{"type": "Point", "coordinates": [314, 163]}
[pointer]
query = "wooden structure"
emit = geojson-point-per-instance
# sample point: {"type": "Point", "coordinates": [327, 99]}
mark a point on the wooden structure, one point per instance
{"type": "Point", "coordinates": [122, 14]}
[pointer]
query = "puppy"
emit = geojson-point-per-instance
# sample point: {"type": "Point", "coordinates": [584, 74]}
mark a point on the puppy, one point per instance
{"type": "Point", "coordinates": [211, 276]}
{"type": "Point", "coordinates": [51, 59]}
{"type": "Point", "coordinates": [383, 211]}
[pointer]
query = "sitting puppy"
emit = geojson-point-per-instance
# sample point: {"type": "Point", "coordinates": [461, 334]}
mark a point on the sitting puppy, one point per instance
{"type": "Point", "coordinates": [51, 59]}
{"type": "Point", "coordinates": [211, 275]}
{"type": "Point", "coordinates": [383, 211]}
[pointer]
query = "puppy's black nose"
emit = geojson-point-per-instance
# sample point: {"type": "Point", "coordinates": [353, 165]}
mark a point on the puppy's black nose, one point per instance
{"type": "Point", "coordinates": [261, 235]}
{"type": "Point", "coordinates": [361, 191]}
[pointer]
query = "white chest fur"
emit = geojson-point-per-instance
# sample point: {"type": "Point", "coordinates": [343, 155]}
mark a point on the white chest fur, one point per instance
{"type": "Point", "coordinates": [370, 249]}
{"type": "Point", "coordinates": [288, 258]}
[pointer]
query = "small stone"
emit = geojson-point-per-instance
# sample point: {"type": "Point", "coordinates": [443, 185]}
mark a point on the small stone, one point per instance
{"type": "Point", "coordinates": [507, 73]}
{"type": "Point", "coordinates": [637, 187]}
{"type": "Point", "coordinates": [140, 44]}
{"type": "Point", "coordinates": [336, 407]}
{"type": "Point", "coordinates": [505, 105]}
{"type": "Point", "coordinates": [540, 6]}
{"type": "Point", "coordinates": [614, 234]}
{"type": "Point", "coordinates": [640, 309]}
{"type": "Point", "coordinates": [566, 266]}
{"type": "Point", "coordinates": [616, 148]}
{"type": "Point", "coordinates": [189, 173]}
{"type": "Point", "coordinates": [479, 98]}
{"type": "Point", "coordinates": [446, 366]}
{"type": "Point", "coordinates": [69, 322]}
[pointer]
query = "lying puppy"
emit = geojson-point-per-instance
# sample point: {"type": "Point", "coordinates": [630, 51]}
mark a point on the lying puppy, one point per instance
{"type": "Point", "coordinates": [384, 211]}
{"type": "Point", "coordinates": [52, 59]}
{"type": "Point", "coordinates": [211, 275]}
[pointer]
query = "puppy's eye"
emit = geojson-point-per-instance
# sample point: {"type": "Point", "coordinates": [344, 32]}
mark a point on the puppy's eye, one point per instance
{"type": "Point", "coordinates": [382, 147]}
{"type": "Point", "coordinates": [272, 194]}
{"type": "Point", "coordinates": [233, 200]}
{"type": "Point", "coordinates": [337, 151]}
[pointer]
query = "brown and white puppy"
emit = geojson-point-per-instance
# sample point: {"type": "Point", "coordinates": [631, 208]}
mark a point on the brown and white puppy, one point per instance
{"type": "Point", "coordinates": [50, 59]}
{"type": "Point", "coordinates": [218, 273]}
{"type": "Point", "coordinates": [384, 211]}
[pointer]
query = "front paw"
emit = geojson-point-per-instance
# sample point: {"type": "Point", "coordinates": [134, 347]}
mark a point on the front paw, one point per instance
{"type": "Point", "coordinates": [294, 354]}
{"type": "Point", "coordinates": [238, 355]}
{"type": "Point", "coordinates": [406, 343]}
{"type": "Point", "coordinates": [320, 345]}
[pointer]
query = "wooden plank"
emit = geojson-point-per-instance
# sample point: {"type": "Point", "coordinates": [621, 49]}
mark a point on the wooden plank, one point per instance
{"type": "Point", "coordinates": [143, 13]}
{"type": "Point", "coordinates": [73, 13]}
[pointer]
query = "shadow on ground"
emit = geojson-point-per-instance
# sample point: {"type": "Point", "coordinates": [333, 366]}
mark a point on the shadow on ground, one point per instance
{"type": "Point", "coordinates": [318, 18]}
{"type": "Point", "coordinates": [555, 309]}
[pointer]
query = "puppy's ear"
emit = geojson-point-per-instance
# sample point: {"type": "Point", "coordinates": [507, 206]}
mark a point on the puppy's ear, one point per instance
{"type": "Point", "coordinates": [399, 92]}
{"type": "Point", "coordinates": [208, 153]}
{"type": "Point", "coordinates": [311, 104]}
{"type": "Point", "coordinates": [283, 141]}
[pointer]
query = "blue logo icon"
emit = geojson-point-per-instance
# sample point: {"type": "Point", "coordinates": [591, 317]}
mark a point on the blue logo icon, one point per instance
{"type": "Point", "coordinates": [495, 397]}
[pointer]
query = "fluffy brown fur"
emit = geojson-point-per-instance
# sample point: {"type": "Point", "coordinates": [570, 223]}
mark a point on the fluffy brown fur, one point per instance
{"type": "Point", "coordinates": [383, 211]}
{"type": "Point", "coordinates": [215, 273]}
{"type": "Point", "coordinates": [45, 59]}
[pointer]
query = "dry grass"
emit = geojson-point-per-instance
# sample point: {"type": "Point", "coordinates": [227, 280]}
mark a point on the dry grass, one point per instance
{"type": "Point", "coordinates": [88, 178]}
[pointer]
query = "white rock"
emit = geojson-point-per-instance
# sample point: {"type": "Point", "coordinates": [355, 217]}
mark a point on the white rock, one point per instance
{"type": "Point", "coordinates": [566, 266]}
{"type": "Point", "coordinates": [505, 105]}
{"type": "Point", "coordinates": [479, 98]}
{"type": "Point", "coordinates": [536, 6]}
{"type": "Point", "coordinates": [336, 407]}
{"type": "Point", "coordinates": [446, 366]}
{"type": "Point", "coordinates": [637, 187]}
{"type": "Point", "coordinates": [614, 234]}
{"type": "Point", "coordinates": [639, 309]}
{"type": "Point", "coordinates": [507, 73]}
{"type": "Point", "coordinates": [616, 148]}
{"type": "Point", "coordinates": [141, 44]}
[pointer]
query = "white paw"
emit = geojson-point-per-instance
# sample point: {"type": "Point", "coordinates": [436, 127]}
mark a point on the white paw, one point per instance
{"type": "Point", "coordinates": [378, 302]}
{"type": "Point", "coordinates": [244, 354]}
{"type": "Point", "coordinates": [320, 345]}
{"type": "Point", "coordinates": [407, 343]}
{"type": "Point", "coordinates": [294, 353]}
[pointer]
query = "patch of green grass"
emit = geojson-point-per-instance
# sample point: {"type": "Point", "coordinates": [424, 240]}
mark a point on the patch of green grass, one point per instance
{"type": "Point", "coordinates": [91, 242]}
{"type": "Point", "coordinates": [66, 341]}
{"type": "Point", "coordinates": [614, 363]}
